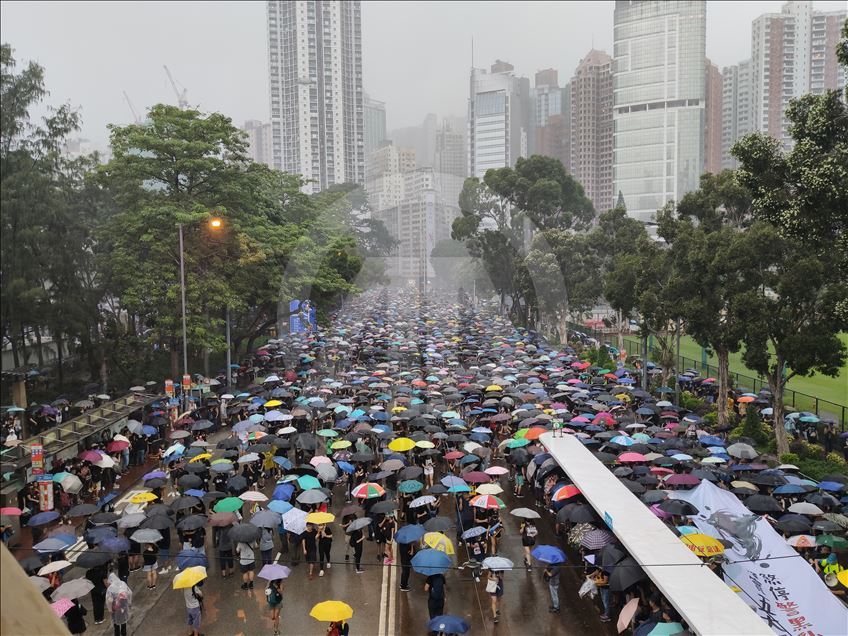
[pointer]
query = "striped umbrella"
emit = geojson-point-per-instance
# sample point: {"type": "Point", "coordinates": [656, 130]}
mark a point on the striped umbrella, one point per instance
{"type": "Point", "coordinates": [596, 539]}
{"type": "Point", "coordinates": [489, 502]}
{"type": "Point", "coordinates": [368, 490]}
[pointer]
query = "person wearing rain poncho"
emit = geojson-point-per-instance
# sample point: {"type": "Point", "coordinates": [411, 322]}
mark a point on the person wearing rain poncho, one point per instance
{"type": "Point", "coordinates": [119, 602]}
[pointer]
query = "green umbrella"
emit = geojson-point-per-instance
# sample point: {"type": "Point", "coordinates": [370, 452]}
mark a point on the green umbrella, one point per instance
{"type": "Point", "coordinates": [307, 482]}
{"type": "Point", "coordinates": [228, 504]}
{"type": "Point", "coordinates": [833, 541]}
{"type": "Point", "coordinates": [518, 443]}
{"type": "Point", "coordinates": [327, 432]}
{"type": "Point", "coordinates": [410, 485]}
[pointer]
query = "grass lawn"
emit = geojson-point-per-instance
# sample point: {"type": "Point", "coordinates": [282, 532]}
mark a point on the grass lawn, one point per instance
{"type": "Point", "coordinates": [823, 387]}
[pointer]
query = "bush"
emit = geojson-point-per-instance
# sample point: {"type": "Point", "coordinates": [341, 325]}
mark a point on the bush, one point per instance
{"type": "Point", "coordinates": [710, 418]}
{"type": "Point", "coordinates": [790, 458]}
{"type": "Point", "coordinates": [805, 450]}
{"type": "Point", "coordinates": [691, 402]}
{"type": "Point", "coordinates": [751, 426]}
{"type": "Point", "coordinates": [818, 468]}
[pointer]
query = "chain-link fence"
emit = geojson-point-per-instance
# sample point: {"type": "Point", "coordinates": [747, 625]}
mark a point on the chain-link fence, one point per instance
{"type": "Point", "coordinates": [825, 409]}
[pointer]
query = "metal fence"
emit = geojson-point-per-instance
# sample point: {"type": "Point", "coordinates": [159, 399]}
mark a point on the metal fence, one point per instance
{"type": "Point", "coordinates": [799, 401]}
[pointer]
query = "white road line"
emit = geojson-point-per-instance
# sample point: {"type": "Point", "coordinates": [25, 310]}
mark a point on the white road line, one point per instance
{"type": "Point", "coordinates": [277, 558]}
{"type": "Point", "coordinates": [393, 592]}
{"type": "Point", "coordinates": [383, 591]}
{"type": "Point", "coordinates": [73, 552]}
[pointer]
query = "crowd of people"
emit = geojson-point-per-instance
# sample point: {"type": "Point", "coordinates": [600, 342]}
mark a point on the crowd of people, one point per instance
{"type": "Point", "coordinates": [397, 429]}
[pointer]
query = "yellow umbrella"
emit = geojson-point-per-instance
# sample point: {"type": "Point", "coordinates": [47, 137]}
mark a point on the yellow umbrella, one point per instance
{"type": "Point", "coordinates": [743, 484]}
{"type": "Point", "coordinates": [489, 489]}
{"type": "Point", "coordinates": [189, 577]}
{"type": "Point", "coordinates": [440, 542]}
{"type": "Point", "coordinates": [398, 409]}
{"type": "Point", "coordinates": [342, 443]}
{"type": "Point", "coordinates": [200, 457]}
{"type": "Point", "coordinates": [425, 444]}
{"type": "Point", "coordinates": [271, 403]}
{"type": "Point", "coordinates": [703, 545]}
{"type": "Point", "coordinates": [330, 611]}
{"type": "Point", "coordinates": [143, 497]}
{"type": "Point", "coordinates": [401, 444]}
{"type": "Point", "coordinates": [320, 518]}
{"type": "Point", "coordinates": [842, 577]}
{"type": "Point", "coordinates": [494, 387]}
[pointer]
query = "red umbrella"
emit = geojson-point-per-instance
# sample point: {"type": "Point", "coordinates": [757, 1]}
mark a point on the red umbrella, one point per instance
{"type": "Point", "coordinates": [566, 492]}
{"type": "Point", "coordinates": [114, 447]}
{"type": "Point", "coordinates": [476, 477]}
{"type": "Point", "coordinates": [454, 455]}
{"type": "Point", "coordinates": [682, 480]}
{"type": "Point", "coordinates": [535, 432]}
{"type": "Point", "coordinates": [626, 458]}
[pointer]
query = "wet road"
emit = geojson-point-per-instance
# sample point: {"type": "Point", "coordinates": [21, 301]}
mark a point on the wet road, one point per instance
{"type": "Point", "coordinates": [380, 608]}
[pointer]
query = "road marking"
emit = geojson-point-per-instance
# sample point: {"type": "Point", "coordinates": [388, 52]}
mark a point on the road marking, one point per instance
{"type": "Point", "coordinates": [73, 552]}
{"type": "Point", "coordinates": [393, 592]}
{"type": "Point", "coordinates": [383, 591]}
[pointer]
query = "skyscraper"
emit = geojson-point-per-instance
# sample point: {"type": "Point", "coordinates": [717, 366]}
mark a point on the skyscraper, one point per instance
{"type": "Point", "coordinates": [737, 112]}
{"type": "Point", "coordinates": [792, 53]}
{"type": "Point", "coordinates": [315, 64]}
{"type": "Point", "coordinates": [258, 140]}
{"type": "Point", "coordinates": [591, 128]}
{"type": "Point", "coordinates": [498, 118]}
{"type": "Point", "coordinates": [712, 118]}
{"type": "Point", "coordinates": [550, 126]}
{"type": "Point", "coordinates": [658, 83]}
{"type": "Point", "coordinates": [375, 124]}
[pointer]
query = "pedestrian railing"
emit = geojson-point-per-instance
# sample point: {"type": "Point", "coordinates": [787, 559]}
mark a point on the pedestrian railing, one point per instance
{"type": "Point", "coordinates": [825, 409]}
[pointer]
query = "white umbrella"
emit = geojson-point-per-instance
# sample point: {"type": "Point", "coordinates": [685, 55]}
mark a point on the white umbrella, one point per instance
{"type": "Point", "coordinates": [55, 566]}
{"type": "Point", "coordinates": [422, 501]}
{"type": "Point", "coordinates": [805, 508]}
{"type": "Point", "coordinates": [250, 457]}
{"type": "Point", "coordinates": [253, 495]}
{"type": "Point", "coordinates": [134, 426]}
{"type": "Point", "coordinates": [71, 484]}
{"type": "Point", "coordinates": [295, 521]}
{"type": "Point", "coordinates": [120, 438]}
{"type": "Point", "coordinates": [524, 513]}
{"type": "Point", "coordinates": [105, 462]}
{"type": "Point", "coordinates": [287, 430]}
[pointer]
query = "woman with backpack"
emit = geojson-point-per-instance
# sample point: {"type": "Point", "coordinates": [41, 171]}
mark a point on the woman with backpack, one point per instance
{"type": "Point", "coordinates": [119, 602]}
{"type": "Point", "coordinates": [274, 594]}
{"type": "Point", "coordinates": [194, 607]}
{"type": "Point", "coordinates": [529, 532]}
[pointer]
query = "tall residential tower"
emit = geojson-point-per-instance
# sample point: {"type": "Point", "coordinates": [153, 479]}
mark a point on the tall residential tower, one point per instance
{"type": "Point", "coordinates": [315, 71]}
{"type": "Point", "coordinates": [659, 91]}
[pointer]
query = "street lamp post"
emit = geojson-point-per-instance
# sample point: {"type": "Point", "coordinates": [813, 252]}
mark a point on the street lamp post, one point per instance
{"type": "Point", "coordinates": [183, 295]}
{"type": "Point", "coordinates": [229, 351]}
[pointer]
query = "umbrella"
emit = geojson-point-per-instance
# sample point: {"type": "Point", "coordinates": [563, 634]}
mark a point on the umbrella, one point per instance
{"type": "Point", "coordinates": [311, 497]}
{"type": "Point", "coordinates": [146, 535]}
{"type": "Point", "coordinates": [331, 611]}
{"type": "Point", "coordinates": [103, 518]}
{"type": "Point", "coordinates": [54, 566]}
{"type": "Point", "coordinates": [189, 577]}
{"type": "Point", "coordinates": [677, 507]}
{"type": "Point", "coordinates": [62, 606]}
{"type": "Point", "coordinates": [548, 554]}
{"type": "Point", "coordinates": [438, 524]}
{"type": "Point", "coordinates": [383, 507]}
{"type": "Point", "coordinates": [703, 545]}
{"type": "Point", "coordinates": [266, 519]}
{"type": "Point", "coordinates": [358, 524]}
{"type": "Point", "coordinates": [75, 588]}
{"type": "Point", "coordinates": [763, 504]}
{"type": "Point", "coordinates": [625, 574]}
{"type": "Point", "coordinates": [93, 558]}
{"type": "Point", "coordinates": [274, 572]}
{"type": "Point", "coordinates": [597, 539]}
{"type": "Point", "coordinates": [193, 522]}
{"type": "Point", "coordinates": [54, 544]}
{"type": "Point", "coordinates": [627, 613]}
{"type": "Point", "coordinates": [222, 519]}
{"type": "Point", "coordinates": [131, 520]}
{"type": "Point", "coordinates": [422, 501]}
{"type": "Point", "coordinates": [410, 533]}
{"type": "Point", "coordinates": [439, 541]}
{"type": "Point", "coordinates": [40, 583]}
{"type": "Point", "coordinates": [115, 544]}
{"type": "Point", "coordinates": [244, 532]}
{"type": "Point", "coordinates": [229, 504]}
{"type": "Point", "coordinates": [295, 521]}
{"type": "Point", "coordinates": [43, 518]}
{"type": "Point", "coordinates": [191, 557]}
{"type": "Point", "coordinates": [497, 563]}
{"type": "Point", "coordinates": [742, 451]}
{"type": "Point", "coordinates": [804, 508]}
{"type": "Point", "coordinates": [410, 486]}
{"type": "Point", "coordinates": [367, 490]}
{"type": "Point", "coordinates": [429, 561]}
{"type": "Point", "coordinates": [157, 522]}
{"type": "Point", "coordinates": [448, 624]}
{"type": "Point", "coordinates": [489, 502]}
{"type": "Point", "coordinates": [525, 513]}
{"type": "Point", "coordinates": [82, 510]}
{"type": "Point", "coordinates": [308, 482]}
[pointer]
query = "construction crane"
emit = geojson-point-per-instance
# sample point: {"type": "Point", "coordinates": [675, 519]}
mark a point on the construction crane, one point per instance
{"type": "Point", "coordinates": [136, 118]}
{"type": "Point", "coordinates": [182, 100]}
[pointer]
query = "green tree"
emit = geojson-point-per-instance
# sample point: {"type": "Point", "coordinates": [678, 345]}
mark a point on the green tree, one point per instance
{"type": "Point", "coordinates": [720, 200]}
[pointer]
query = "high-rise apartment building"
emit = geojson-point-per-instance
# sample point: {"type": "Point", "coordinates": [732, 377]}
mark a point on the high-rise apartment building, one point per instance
{"type": "Point", "coordinates": [374, 115]}
{"type": "Point", "coordinates": [385, 175]}
{"type": "Point", "coordinates": [315, 64]}
{"type": "Point", "coordinates": [498, 118]}
{"type": "Point", "coordinates": [549, 124]}
{"type": "Point", "coordinates": [450, 155]}
{"type": "Point", "coordinates": [712, 118]}
{"type": "Point", "coordinates": [591, 128]}
{"type": "Point", "coordinates": [658, 116]}
{"type": "Point", "coordinates": [792, 53]}
{"type": "Point", "coordinates": [737, 113]}
{"type": "Point", "coordinates": [258, 140]}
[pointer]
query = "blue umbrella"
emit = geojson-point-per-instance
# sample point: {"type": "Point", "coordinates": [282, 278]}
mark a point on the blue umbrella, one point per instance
{"type": "Point", "coordinates": [548, 554]}
{"type": "Point", "coordinates": [283, 492]}
{"type": "Point", "coordinates": [53, 544]}
{"type": "Point", "coordinates": [115, 544]}
{"type": "Point", "coordinates": [476, 531]}
{"type": "Point", "coordinates": [279, 506]}
{"type": "Point", "coordinates": [431, 561]}
{"type": "Point", "coordinates": [283, 462]}
{"type": "Point", "coordinates": [789, 489]}
{"type": "Point", "coordinates": [833, 486]}
{"type": "Point", "coordinates": [191, 557]}
{"type": "Point", "coordinates": [410, 533]}
{"type": "Point", "coordinates": [147, 430]}
{"type": "Point", "coordinates": [711, 440]}
{"type": "Point", "coordinates": [43, 518]}
{"type": "Point", "coordinates": [100, 534]}
{"type": "Point", "coordinates": [194, 492]}
{"type": "Point", "coordinates": [448, 624]}
{"type": "Point", "coordinates": [345, 467]}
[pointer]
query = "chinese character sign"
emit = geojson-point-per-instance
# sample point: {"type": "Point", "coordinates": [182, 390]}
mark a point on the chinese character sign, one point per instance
{"type": "Point", "coordinates": [45, 492]}
{"type": "Point", "coordinates": [37, 459]}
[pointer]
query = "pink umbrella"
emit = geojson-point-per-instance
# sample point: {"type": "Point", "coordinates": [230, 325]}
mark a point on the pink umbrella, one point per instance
{"type": "Point", "coordinates": [627, 614]}
{"type": "Point", "coordinates": [320, 459]}
{"type": "Point", "coordinates": [62, 606]}
{"type": "Point", "coordinates": [116, 446]}
{"type": "Point", "coordinates": [496, 470]}
{"type": "Point", "coordinates": [682, 480]}
{"type": "Point", "coordinates": [90, 456]}
{"type": "Point", "coordinates": [626, 458]}
{"type": "Point", "coordinates": [662, 514]}
{"type": "Point", "coordinates": [476, 477]}
{"type": "Point", "coordinates": [12, 511]}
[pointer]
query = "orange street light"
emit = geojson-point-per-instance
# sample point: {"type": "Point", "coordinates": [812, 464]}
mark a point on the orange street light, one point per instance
{"type": "Point", "coordinates": [216, 223]}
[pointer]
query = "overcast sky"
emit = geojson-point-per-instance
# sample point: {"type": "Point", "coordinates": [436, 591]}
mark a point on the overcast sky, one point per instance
{"type": "Point", "coordinates": [416, 55]}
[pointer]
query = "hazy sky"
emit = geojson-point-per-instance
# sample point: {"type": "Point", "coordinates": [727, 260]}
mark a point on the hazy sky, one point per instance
{"type": "Point", "coordinates": [416, 55]}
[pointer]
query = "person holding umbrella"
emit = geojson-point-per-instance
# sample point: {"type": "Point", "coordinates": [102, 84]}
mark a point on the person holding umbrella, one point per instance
{"type": "Point", "coordinates": [435, 587]}
{"type": "Point", "coordinates": [151, 556]}
{"type": "Point", "coordinates": [529, 532]}
{"type": "Point", "coordinates": [494, 587]}
{"type": "Point", "coordinates": [386, 537]}
{"type": "Point", "coordinates": [325, 543]}
{"type": "Point", "coordinates": [274, 595]}
{"type": "Point", "coordinates": [76, 618]}
{"type": "Point", "coordinates": [551, 576]}
{"type": "Point", "coordinates": [97, 576]}
{"type": "Point", "coordinates": [247, 563]}
{"type": "Point", "coordinates": [356, 541]}
{"type": "Point", "coordinates": [310, 548]}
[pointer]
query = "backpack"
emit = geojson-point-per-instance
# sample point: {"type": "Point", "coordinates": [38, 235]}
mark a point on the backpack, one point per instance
{"type": "Point", "coordinates": [273, 595]}
{"type": "Point", "coordinates": [531, 531]}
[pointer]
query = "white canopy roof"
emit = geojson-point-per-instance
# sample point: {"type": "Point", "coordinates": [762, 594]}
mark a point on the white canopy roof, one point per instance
{"type": "Point", "coordinates": [707, 604]}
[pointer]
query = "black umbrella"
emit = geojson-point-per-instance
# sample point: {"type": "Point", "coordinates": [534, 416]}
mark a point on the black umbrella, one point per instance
{"type": "Point", "coordinates": [82, 510]}
{"type": "Point", "coordinates": [104, 517]}
{"type": "Point", "coordinates": [678, 507]}
{"type": "Point", "coordinates": [633, 486]}
{"type": "Point", "coordinates": [763, 504]}
{"type": "Point", "coordinates": [411, 472]}
{"type": "Point", "coordinates": [362, 457]}
{"type": "Point", "coordinates": [193, 522]}
{"type": "Point", "coordinates": [609, 555]}
{"type": "Point", "coordinates": [237, 484]}
{"type": "Point", "coordinates": [93, 558]}
{"type": "Point", "coordinates": [230, 442]}
{"type": "Point", "coordinates": [625, 574]}
{"type": "Point", "coordinates": [157, 522]}
{"type": "Point", "coordinates": [158, 509]}
{"type": "Point", "coordinates": [196, 467]}
{"type": "Point", "coordinates": [519, 456]}
{"type": "Point", "coordinates": [383, 507]}
{"type": "Point", "coordinates": [31, 563]}
{"type": "Point", "coordinates": [156, 482]}
{"type": "Point", "coordinates": [190, 481]}
{"type": "Point", "coordinates": [824, 525]}
{"type": "Point", "coordinates": [793, 523]}
{"type": "Point", "coordinates": [184, 503]}
{"type": "Point", "coordinates": [438, 524]}
{"type": "Point", "coordinates": [654, 496]}
{"type": "Point", "coordinates": [244, 532]}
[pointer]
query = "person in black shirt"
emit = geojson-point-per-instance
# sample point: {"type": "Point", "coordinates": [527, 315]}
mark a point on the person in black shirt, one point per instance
{"type": "Point", "coordinates": [310, 548]}
{"type": "Point", "coordinates": [435, 587]}
{"type": "Point", "coordinates": [356, 542]}
{"type": "Point", "coordinates": [405, 552]}
{"type": "Point", "coordinates": [98, 595]}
